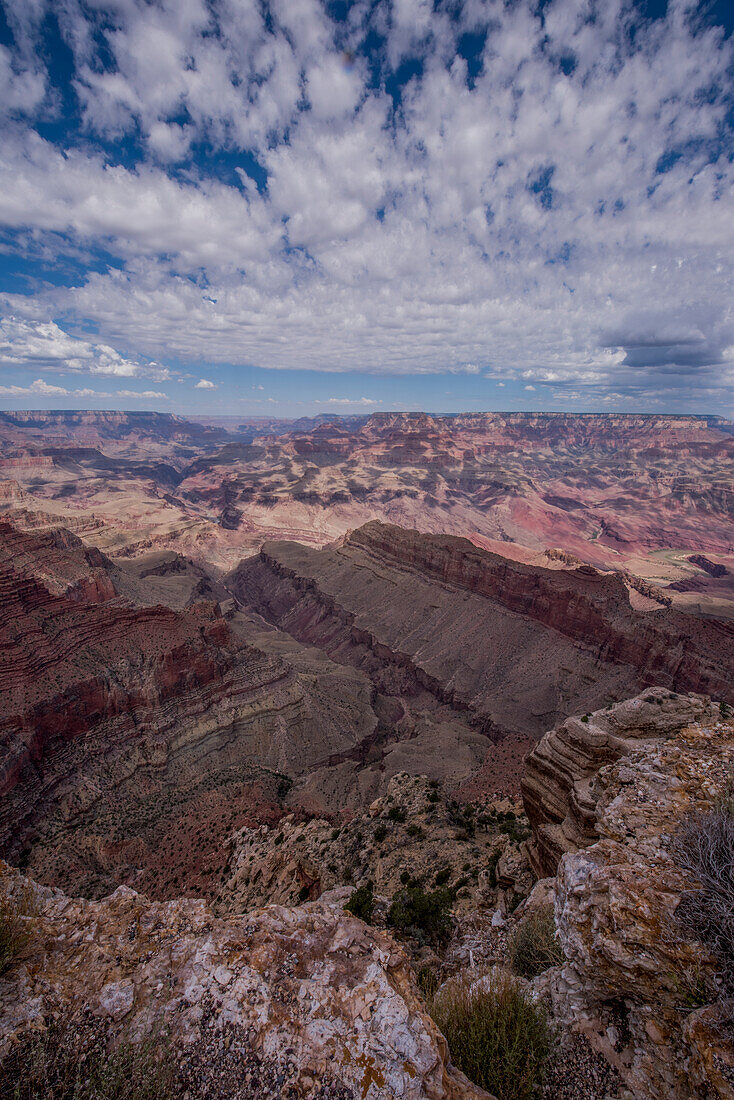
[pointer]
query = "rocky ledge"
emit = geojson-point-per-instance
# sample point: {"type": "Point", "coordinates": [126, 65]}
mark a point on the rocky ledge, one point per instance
{"type": "Point", "coordinates": [642, 989]}
{"type": "Point", "coordinates": [321, 1004]}
{"type": "Point", "coordinates": [560, 785]}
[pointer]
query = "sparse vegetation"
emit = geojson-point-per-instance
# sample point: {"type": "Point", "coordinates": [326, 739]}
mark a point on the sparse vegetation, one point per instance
{"type": "Point", "coordinates": [396, 813]}
{"type": "Point", "coordinates": [15, 927]}
{"type": "Point", "coordinates": [427, 982]}
{"type": "Point", "coordinates": [533, 945]}
{"type": "Point", "coordinates": [380, 833]}
{"type": "Point", "coordinates": [362, 902]}
{"type": "Point", "coordinates": [704, 846]}
{"type": "Point", "coordinates": [71, 1061]}
{"type": "Point", "coordinates": [497, 1036]}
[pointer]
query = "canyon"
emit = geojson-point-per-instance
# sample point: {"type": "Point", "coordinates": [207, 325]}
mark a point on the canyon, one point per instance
{"type": "Point", "coordinates": [637, 493]}
{"type": "Point", "coordinates": [250, 668]}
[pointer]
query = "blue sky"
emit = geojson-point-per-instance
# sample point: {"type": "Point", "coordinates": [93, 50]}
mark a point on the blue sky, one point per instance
{"type": "Point", "coordinates": [285, 207]}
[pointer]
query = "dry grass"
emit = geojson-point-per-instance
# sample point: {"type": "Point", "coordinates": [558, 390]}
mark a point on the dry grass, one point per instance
{"type": "Point", "coordinates": [534, 946]}
{"type": "Point", "coordinates": [72, 1061]}
{"type": "Point", "coordinates": [16, 927]}
{"type": "Point", "coordinates": [497, 1036]}
{"type": "Point", "coordinates": [704, 846]}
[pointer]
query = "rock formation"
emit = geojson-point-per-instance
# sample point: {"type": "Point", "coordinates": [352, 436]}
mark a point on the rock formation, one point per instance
{"type": "Point", "coordinates": [634, 980]}
{"type": "Point", "coordinates": [124, 727]}
{"type": "Point", "coordinates": [514, 646]}
{"type": "Point", "coordinates": [308, 998]}
{"type": "Point", "coordinates": [412, 830]}
{"type": "Point", "coordinates": [560, 786]}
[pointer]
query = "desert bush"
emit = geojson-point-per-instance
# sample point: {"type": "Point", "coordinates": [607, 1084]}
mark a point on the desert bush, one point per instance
{"type": "Point", "coordinates": [704, 846]}
{"type": "Point", "coordinates": [396, 813]}
{"type": "Point", "coordinates": [15, 927]}
{"type": "Point", "coordinates": [380, 833]}
{"type": "Point", "coordinates": [72, 1061]}
{"type": "Point", "coordinates": [362, 902]}
{"type": "Point", "coordinates": [497, 1036]}
{"type": "Point", "coordinates": [443, 876]}
{"type": "Point", "coordinates": [533, 945]}
{"type": "Point", "coordinates": [424, 915]}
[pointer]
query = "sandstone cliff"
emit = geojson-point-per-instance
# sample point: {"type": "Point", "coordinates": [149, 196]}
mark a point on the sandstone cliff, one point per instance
{"type": "Point", "coordinates": [560, 785]}
{"type": "Point", "coordinates": [514, 647]}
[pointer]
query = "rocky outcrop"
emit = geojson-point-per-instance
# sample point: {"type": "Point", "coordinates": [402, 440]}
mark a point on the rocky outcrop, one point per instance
{"type": "Point", "coordinates": [634, 981]}
{"type": "Point", "coordinates": [412, 831]}
{"type": "Point", "coordinates": [560, 786]}
{"type": "Point", "coordinates": [312, 993]}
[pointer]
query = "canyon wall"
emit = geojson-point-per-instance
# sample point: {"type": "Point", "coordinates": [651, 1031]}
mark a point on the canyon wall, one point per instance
{"type": "Point", "coordinates": [515, 647]}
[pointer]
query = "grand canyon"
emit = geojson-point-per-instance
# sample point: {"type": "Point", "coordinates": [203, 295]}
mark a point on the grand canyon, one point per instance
{"type": "Point", "coordinates": [267, 684]}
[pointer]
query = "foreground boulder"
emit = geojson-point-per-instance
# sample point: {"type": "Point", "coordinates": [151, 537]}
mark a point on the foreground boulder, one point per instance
{"type": "Point", "coordinates": [312, 992]}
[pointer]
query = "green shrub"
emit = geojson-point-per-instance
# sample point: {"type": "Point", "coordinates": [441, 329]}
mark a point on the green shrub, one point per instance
{"type": "Point", "coordinates": [421, 914]}
{"type": "Point", "coordinates": [362, 902]}
{"type": "Point", "coordinates": [380, 833]}
{"type": "Point", "coordinates": [15, 927]}
{"type": "Point", "coordinates": [443, 876]}
{"type": "Point", "coordinates": [497, 1036]}
{"type": "Point", "coordinates": [415, 831]}
{"type": "Point", "coordinates": [396, 813]}
{"type": "Point", "coordinates": [534, 946]}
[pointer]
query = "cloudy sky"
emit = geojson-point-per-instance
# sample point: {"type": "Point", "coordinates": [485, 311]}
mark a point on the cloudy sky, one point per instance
{"type": "Point", "coordinates": [294, 206]}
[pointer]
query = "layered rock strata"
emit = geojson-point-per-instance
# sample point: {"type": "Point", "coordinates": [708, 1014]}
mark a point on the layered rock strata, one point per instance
{"type": "Point", "coordinates": [514, 646]}
{"type": "Point", "coordinates": [635, 981]}
{"type": "Point", "coordinates": [328, 1002]}
{"type": "Point", "coordinates": [113, 716]}
{"type": "Point", "coordinates": [560, 785]}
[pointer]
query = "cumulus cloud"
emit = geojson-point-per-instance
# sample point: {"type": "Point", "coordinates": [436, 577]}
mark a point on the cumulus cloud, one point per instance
{"type": "Point", "coordinates": [147, 394]}
{"type": "Point", "coordinates": [349, 401]}
{"type": "Point", "coordinates": [205, 384]}
{"type": "Point", "coordinates": [286, 211]}
{"type": "Point", "coordinates": [44, 345]}
{"type": "Point", "coordinates": [43, 389]}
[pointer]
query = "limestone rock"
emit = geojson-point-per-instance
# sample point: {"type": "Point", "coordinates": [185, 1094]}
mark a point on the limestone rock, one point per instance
{"type": "Point", "coordinates": [312, 986]}
{"type": "Point", "coordinates": [631, 973]}
{"type": "Point", "coordinates": [559, 787]}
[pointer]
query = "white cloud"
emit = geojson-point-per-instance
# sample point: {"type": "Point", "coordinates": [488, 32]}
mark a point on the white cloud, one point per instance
{"type": "Point", "coordinates": [144, 394]}
{"type": "Point", "coordinates": [529, 387]}
{"type": "Point", "coordinates": [516, 220]}
{"type": "Point", "coordinates": [204, 384]}
{"type": "Point", "coordinates": [43, 389]}
{"type": "Point", "coordinates": [43, 345]}
{"type": "Point", "coordinates": [349, 401]}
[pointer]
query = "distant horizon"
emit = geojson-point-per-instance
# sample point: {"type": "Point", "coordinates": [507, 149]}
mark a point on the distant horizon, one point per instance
{"type": "Point", "coordinates": [239, 417]}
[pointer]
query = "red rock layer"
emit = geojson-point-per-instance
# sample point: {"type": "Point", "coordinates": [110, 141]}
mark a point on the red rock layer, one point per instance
{"type": "Point", "coordinates": [73, 655]}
